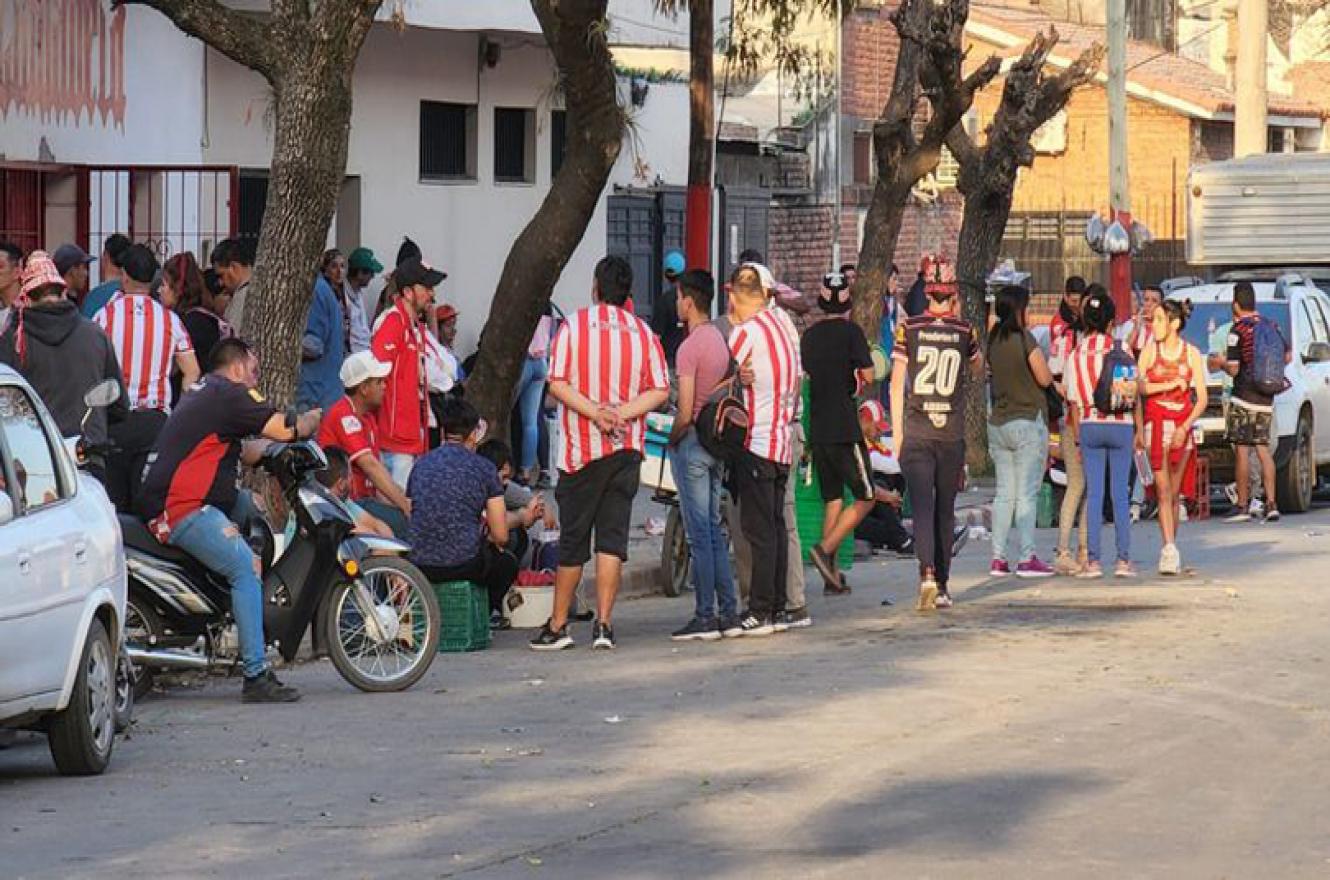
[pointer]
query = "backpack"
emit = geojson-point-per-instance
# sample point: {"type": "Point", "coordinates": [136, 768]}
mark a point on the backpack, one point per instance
{"type": "Point", "coordinates": [1267, 367]}
{"type": "Point", "coordinates": [1115, 392]}
{"type": "Point", "coordinates": [722, 424]}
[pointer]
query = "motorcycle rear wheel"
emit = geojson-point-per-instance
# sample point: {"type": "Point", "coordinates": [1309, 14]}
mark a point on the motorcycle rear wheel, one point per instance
{"type": "Point", "coordinates": [403, 602]}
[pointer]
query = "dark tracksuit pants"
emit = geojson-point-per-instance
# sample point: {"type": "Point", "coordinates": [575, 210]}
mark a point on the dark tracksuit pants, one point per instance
{"type": "Point", "coordinates": [761, 486]}
{"type": "Point", "coordinates": [933, 470]}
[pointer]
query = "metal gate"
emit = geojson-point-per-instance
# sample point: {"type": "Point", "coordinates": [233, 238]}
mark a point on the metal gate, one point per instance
{"type": "Point", "coordinates": [21, 208]}
{"type": "Point", "coordinates": [171, 209]}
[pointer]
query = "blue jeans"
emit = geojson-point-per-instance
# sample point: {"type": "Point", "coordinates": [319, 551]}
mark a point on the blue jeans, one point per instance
{"type": "Point", "coordinates": [399, 465]}
{"type": "Point", "coordinates": [699, 478]}
{"type": "Point", "coordinates": [1112, 443]}
{"type": "Point", "coordinates": [211, 538]}
{"type": "Point", "coordinates": [530, 392]}
{"type": "Point", "coordinates": [1020, 451]}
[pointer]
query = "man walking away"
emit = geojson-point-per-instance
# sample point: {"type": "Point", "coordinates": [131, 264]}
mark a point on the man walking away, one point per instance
{"type": "Point", "coordinates": [62, 354]}
{"type": "Point", "coordinates": [931, 353]}
{"type": "Point", "coordinates": [350, 425]}
{"type": "Point", "coordinates": [765, 342]}
{"type": "Point", "coordinates": [607, 371]}
{"type": "Point", "coordinates": [148, 339]}
{"type": "Point", "coordinates": [703, 364]}
{"type": "Point", "coordinates": [835, 356]}
{"type": "Point", "coordinates": [1255, 361]}
{"type": "Point", "coordinates": [233, 258]}
{"type": "Point", "coordinates": [113, 253]}
{"type": "Point", "coordinates": [190, 493]}
{"type": "Point", "coordinates": [322, 349]}
{"type": "Point", "coordinates": [399, 341]}
{"type": "Point", "coordinates": [11, 280]}
{"type": "Point", "coordinates": [664, 311]}
{"type": "Point", "coordinates": [71, 261]}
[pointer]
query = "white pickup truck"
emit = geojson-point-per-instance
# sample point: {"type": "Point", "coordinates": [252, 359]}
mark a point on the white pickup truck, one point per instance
{"type": "Point", "coordinates": [1301, 432]}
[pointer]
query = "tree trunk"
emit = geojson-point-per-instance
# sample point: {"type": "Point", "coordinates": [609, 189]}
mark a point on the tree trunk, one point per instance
{"type": "Point", "coordinates": [987, 207]}
{"type": "Point", "coordinates": [575, 31]}
{"type": "Point", "coordinates": [313, 126]}
{"type": "Point", "coordinates": [882, 227]}
{"type": "Point", "coordinates": [701, 131]}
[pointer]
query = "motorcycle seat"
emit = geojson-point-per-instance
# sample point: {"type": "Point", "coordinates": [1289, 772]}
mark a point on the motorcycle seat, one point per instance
{"type": "Point", "coordinates": [137, 537]}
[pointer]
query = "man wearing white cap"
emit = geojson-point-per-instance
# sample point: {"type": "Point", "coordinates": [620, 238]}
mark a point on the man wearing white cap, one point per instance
{"type": "Point", "coordinates": [349, 425]}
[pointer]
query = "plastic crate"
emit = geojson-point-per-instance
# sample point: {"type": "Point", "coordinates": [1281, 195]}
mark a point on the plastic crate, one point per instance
{"type": "Point", "coordinates": [1046, 513]}
{"type": "Point", "coordinates": [464, 607]}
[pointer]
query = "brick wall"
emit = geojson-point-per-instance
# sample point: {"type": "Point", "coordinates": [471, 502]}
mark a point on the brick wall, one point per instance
{"type": "Point", "coordinates": [799, 244]}
{"type": "Point", "coordinates": [870, 46]}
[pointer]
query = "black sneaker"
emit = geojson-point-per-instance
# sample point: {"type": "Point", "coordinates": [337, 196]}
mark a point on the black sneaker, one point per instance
{"type": "Point", "coordinates": [943, 600]}
{"type": "Point", "coordinates": [697, 629]}
{"type": "Point", "coordinates": [906, 549]}
{"type": "Point", "coordinates": [498, 621]}
{"type": "Point", "coordinates": [602, 637]}
{"type": "Point", "coordinates": [798, 618]}
{"type": "Point", "coordinates": [549, 639]}
{"type": "Point", "coordinates": [731, 627]}
{"type": "Point", "coordinates": [266, 688]}
{"type": "Point", "coordinates": [958, 539]}
{"type": "Point", "coordinates": [753, 624]}
{"type": "Point", "coordinates": [825, 565]}
{"type": "Point", "coordinates": [780, 621]}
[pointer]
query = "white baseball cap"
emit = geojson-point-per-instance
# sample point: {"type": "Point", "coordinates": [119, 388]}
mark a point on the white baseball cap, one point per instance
{"type": "Point", "coordinates": [361, 366]}
{"type": "Point", "coordinates": [768, 280]}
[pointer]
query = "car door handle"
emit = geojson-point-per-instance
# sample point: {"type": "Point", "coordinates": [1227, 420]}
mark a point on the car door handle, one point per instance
{"type": "Point", "coordinates": [25, 563]}
{"type": "Point", "coordinates": [81, 552]}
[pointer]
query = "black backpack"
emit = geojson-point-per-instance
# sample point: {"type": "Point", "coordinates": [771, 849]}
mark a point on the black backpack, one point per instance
{"type": "Point", "coordinates": [722, 424]}
{"type": "Point", "coordinates": [1115, 391]}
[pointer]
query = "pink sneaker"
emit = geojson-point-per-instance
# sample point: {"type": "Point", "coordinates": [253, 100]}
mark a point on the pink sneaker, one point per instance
{"type": "Point", "coordinates": [1034, 567]}
{"type": "Point", "coordinates": [999, 568]}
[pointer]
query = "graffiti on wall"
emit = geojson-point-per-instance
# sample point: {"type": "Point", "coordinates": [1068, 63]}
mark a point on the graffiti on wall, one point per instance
{"type": "Point", "coordinates": [63, 60]}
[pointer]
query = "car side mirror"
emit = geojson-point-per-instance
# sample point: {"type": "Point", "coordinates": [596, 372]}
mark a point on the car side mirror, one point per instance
{"type": "Point", "coordinates": [6, 508]}
{"type": "Point", "coordinates": [1317, 353]}
{"type": "Point", "coordinates": [104, 393]}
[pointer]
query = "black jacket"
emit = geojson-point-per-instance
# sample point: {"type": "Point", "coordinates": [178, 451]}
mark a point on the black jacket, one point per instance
{"type": "Point", "coordinates": [64, 355]}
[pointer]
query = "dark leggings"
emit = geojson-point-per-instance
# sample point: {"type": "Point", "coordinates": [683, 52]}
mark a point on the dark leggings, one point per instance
{"type": "Point", "coordinates": [933, 471]}
{"type": "Point", "coordinates": [494, 569]}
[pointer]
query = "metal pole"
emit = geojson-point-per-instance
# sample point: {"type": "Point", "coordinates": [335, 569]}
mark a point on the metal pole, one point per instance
{"type": "Point", "coordinates": [1119, 268]}
{"type": "Point", "coordinates": [840, 144]}
{"type": "Point", "coordinates": [1249, 75]}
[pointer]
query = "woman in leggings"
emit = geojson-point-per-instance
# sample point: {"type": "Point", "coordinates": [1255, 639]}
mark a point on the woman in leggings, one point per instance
{"type": "Point", "coordinates": [933, 352]}
{"type": "Point", "coordinates": [1102, 436]}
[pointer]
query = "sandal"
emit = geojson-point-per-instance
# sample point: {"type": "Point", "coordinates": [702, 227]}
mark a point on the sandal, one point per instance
{"type": "Point", "coordinates": [841, 589]}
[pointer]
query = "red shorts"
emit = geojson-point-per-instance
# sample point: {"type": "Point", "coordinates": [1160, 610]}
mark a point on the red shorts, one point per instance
{"type": "Point", "coordinates": [1161, 423]}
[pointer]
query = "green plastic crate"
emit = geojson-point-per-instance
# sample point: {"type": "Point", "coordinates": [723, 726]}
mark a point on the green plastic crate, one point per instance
{"type": "Point", "coordinates": [1045, 513]}
{"type": "Point", "coordinates": [465, 608]}
{"type": "Point", "coordinates": [808, 507]}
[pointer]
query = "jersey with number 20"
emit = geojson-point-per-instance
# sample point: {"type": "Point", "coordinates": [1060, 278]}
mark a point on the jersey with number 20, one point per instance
{"type": "Point", "coordinates": [936, 352]}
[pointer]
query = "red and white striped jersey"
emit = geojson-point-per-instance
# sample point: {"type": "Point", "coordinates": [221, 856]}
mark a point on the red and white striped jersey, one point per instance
{"type": "Point", "coordinates": [147, 336]}
{"type": "Point", "coordinates": [771, 342]}
{"type": "Point", "coordinates": [610, 357]}
{"type": "Point", "coordinates": [1083, 368]}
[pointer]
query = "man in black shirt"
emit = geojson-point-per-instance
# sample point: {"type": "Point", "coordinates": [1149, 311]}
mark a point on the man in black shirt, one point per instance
{"type": "Point", "coordinates": [191, 489]}
{"type": "Point", "coordinates": [665, 312]}
{"type": "Point", "coordinates": [836, 358]}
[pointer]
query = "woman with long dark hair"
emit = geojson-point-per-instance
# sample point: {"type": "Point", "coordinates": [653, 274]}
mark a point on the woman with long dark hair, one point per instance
{"type": "Point", "coordinates": [1173, 383]}
{"type": "Point", "coordinates": [199, 303]}
{"type": "Point", "coordinates": [1017, 431]}
{"type": "Point", "coordinates": [1104, 437]}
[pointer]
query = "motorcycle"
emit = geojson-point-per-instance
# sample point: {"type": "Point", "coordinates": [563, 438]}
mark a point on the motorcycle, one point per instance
{"type": "Point", "coordinates": [372, 611]}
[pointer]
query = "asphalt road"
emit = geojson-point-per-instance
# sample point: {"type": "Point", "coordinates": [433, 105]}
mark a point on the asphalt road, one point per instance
{"type": "Point", "coordinates": [1049, 729]}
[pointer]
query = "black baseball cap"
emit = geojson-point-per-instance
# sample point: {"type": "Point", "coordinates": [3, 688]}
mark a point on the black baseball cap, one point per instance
{"type": "Point", "coordinates": [67, 256]}
{"type": "Point", "coordinates": [414, 271]}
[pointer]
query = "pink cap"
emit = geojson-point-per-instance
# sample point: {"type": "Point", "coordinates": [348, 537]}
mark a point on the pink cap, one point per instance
{"type": "Point", "coordinates": [39, 271]}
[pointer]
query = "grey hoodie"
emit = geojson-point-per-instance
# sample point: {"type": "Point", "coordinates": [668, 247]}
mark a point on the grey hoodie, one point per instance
{"type": "Point", "coordinates": [64, 354]}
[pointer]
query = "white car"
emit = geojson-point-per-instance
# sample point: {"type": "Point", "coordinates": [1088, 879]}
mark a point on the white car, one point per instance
{"type": "Point", "coordinates": [62, 589]}
{"type": "Point", "coordinates": [1301, 431]}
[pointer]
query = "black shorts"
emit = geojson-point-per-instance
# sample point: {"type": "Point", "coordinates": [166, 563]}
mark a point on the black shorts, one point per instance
{"type": "Point", "coordinates": [599, 497]}
{"type": "Point", "coordinates": [841, 467]}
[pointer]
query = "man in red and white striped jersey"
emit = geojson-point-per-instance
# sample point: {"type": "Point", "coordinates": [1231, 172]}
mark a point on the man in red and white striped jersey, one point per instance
{"type": "Point", "coordinates": [607, 370]}
{"type": "Point", "coordinates": [766, 344]}
{"type": "Point", "coordinates": [149, 339]}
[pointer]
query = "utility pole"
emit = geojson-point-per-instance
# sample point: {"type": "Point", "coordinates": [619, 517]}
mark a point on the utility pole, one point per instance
{"type": "Point", "coordinates": [1250, 79]}
{"type": "Point", "coordinates": [701, 133]}
{"type": "Point", "coordinates": [839, 142]}
{"type": "Point", "coordinates": [1119, 265]}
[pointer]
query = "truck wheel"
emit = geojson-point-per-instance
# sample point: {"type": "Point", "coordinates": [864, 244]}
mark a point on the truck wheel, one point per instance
{"type": "Point", "coordinates": [674, 555]}
{"type": "Point", "coordinates": [1296, 479]}
{"type": "Point", "coordinates": [81, 736]}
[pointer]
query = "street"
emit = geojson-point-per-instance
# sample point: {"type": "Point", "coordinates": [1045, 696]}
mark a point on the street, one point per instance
{"type": "Point", "coordinates": [1053, 728]}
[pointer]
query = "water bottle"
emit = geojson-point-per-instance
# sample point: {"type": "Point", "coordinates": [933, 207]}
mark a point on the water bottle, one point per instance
{"type": "Point", "coordinates": [1143, 468]}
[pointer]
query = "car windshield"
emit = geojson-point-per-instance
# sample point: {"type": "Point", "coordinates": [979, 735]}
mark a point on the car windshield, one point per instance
{"type": "Point", "coordinates": [1209, 319]}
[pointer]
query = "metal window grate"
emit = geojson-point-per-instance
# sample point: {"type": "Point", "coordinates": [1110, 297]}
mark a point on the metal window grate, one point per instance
{"type": "Point", "coordinates": [445, 148]}
{"type": "Point", "coordinates": [511, 127]}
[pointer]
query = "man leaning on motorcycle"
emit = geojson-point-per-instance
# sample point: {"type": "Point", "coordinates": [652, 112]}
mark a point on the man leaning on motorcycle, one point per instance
{"type": "Point", "coordinates": [191, 487]}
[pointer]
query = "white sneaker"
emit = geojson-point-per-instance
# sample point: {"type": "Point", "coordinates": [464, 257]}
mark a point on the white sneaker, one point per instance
{"type": "Point", "coordinates": [1257, 509]}
{"type": "Point", "coordinates": [1170, 560]}
{"type": "Point", "coordinates": [1240, 517]}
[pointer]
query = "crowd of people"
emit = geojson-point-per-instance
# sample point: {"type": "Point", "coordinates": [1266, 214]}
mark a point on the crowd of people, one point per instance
{"type": "Point", "coordinates": [382, 391]}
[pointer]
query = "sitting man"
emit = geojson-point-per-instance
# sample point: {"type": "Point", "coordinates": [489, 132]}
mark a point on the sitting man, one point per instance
{"type": "Point", "coordinates": [336, 478]}
{"type": "Point", "coordinates": [459, 524]}
{"type": "Point", "coordinates": [525, 507]}
{"type": "Point", "coordinates": [882, 527]}
{"type": "Point", "coordinates": [350, 426]}
{"type": "Point", "coordinates": [189, 492]}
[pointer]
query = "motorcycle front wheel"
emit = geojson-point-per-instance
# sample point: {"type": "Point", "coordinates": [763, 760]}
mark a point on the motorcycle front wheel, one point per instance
{"type": "Point", "coordinates": [382, 628]}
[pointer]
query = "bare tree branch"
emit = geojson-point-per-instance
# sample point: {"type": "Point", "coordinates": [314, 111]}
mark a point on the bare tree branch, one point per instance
{"type": "Point", "coordinates": [244, 38]}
